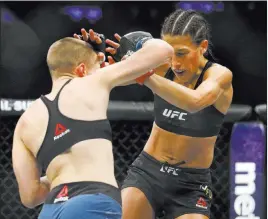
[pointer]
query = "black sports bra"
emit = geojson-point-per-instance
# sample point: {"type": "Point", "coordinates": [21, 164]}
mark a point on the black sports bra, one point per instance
{"type": "Point", "coordinates": [204, 123]}
{"type": "Point", "coordinates": [63, 132]}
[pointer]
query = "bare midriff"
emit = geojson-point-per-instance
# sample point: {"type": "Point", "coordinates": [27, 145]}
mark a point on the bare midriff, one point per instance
{"type": "Point", "coordinates": [168, 147]}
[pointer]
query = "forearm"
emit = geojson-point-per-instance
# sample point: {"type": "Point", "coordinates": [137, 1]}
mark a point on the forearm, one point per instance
{"type": "Point", "coordinates": [172, 92]}
{"type": "Point", "coordinates": [44, 189]}
{"type": "Point", "coordinates": [143, 61]}
{"type": "Point", "coordinates": [45, 182]}
{"type": "Point", "coordinates": [137, 64]}
{"type": "Point", "coordinates": [42, 192]}
{"type": "Point", "coordinates": [161, 70]}
{"type": "Point", "coordinates": [37, 195]}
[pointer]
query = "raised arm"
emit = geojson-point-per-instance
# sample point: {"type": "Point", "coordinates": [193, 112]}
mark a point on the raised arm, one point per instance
{"type": "Point", "coordinates": [154, 52]}
{"type": "Point", "coordinates": [192, 100]}
{"type": "Point", "coordinates": [114, 48]}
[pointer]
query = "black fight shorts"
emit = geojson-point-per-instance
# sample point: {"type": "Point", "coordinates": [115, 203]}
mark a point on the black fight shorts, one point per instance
{"type": "Point", "coordinates": [171, 189]}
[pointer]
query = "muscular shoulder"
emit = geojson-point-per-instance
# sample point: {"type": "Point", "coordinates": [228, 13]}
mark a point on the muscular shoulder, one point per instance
{"type": "Point", "coordinates": [94, 82]}
{"type": "Point", "coordinates": [32, 116]}
{"type": "Point", "coordinates": [221, 74]}
{"type": "Point", "coordinates": [33, 110]}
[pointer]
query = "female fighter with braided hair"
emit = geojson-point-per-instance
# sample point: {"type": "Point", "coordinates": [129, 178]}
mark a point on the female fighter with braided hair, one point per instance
{"type": "Point", "coordinates": [191, 98]}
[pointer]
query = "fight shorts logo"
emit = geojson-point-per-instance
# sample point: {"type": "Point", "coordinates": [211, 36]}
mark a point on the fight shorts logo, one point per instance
{"type": "Point", "coordinates": [62, 196]}
{"type": "Point", "coordinates": [170, 170]}
{"type": "Point", "coordinates": [174, 114]}
{"type": "Point", "coordinates": [207, 191]}
{"type": "Point", "coordinates": [60, 131]}
{"type": "Point", "coordinates": [201, 203]}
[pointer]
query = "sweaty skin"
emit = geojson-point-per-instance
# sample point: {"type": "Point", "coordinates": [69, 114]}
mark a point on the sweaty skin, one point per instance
{"type": "Point", "coordinates": [90, 160]}
{"type": "Point", "coordinates": [216, 89]}
{"type": "Point", "coordinates": [166, 146]}
{"type": "Point", "coordinates": [187, 63]}
{"type": "Point", "coordinates": [84, 98]}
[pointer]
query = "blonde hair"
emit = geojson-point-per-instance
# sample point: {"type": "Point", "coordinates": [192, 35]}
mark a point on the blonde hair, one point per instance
{"type": "Point", "coordinates": [66, 54]}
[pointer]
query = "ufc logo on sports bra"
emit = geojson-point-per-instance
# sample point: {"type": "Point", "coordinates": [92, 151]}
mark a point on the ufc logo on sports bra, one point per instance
{"type": "Point", "coordinates": [174, 114]}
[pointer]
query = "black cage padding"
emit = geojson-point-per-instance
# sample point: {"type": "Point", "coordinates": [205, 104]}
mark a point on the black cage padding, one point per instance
{"type": "Point", "coordinates": [129, 137]}
{"type": "Point", "coordinates": [131, 124]}
{"type": "Point", "coordinates": [125, 110]}
{"type": "Point", "coordinates": [261, 111]}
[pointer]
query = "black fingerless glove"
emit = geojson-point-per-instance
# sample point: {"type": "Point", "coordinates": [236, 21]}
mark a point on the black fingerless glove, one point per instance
{"type": "Point", "coordinates": [130, 43]}
{"type": "Point", "coordinates": [97, 47]}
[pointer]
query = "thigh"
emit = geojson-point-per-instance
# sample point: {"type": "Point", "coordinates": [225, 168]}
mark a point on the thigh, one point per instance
{"type": "Point", "coordinates": [135, 204]}
{"type": "Point", "coordinates": [94, 214]}
{"type": "Point", "coordinates": [190, 205]}
{"type": "Point", "coordinates": [193, 216]}
{"type": "Point", "coordinates": [51, 211]}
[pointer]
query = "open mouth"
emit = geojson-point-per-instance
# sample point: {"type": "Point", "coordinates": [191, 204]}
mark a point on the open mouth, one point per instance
{"type": "Point", "coordinates": [179, 72]}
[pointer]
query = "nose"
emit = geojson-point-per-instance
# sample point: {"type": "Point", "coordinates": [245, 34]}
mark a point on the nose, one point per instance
{"type": "Point", "coordinates": [176, 64]}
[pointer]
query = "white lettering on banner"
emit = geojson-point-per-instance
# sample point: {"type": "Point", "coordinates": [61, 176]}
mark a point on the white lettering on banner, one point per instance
{"type": "Point", "coordinates": [17, 105]}
{"type": "Point", "coordinates": [21, 105]}
{"type": "Point", "coordinates": [245, 187]}
{"type": "Point", "coordinates": [5, 105]}
{"type": "Point", "coordinates": [172, 114]}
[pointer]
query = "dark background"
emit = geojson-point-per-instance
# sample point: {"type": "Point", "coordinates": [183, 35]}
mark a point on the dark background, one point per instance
{"type": "Point", "coordinates": [239, 35]}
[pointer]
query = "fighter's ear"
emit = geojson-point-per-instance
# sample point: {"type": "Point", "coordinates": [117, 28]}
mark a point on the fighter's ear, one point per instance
{"type": "Point", "coordinates": [80, 70]}
{"type": "Point", "coordinates": [203, 46]}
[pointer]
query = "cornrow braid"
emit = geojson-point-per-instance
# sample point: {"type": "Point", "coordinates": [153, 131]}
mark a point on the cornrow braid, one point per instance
{"type": "Point", "coordinates": [188, 22]}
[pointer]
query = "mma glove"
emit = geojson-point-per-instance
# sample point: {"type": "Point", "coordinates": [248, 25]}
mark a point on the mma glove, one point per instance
{"type": "Point", "coordinates": [131, 43]}
{"type": "Point", "coordinates": [97, 47]}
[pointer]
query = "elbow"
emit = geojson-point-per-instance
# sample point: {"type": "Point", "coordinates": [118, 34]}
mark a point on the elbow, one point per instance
{"type": "Point", "coordinates": [165, 49]}
{"type": "Point", "coordinates": [33, 197]}
{"type": "Point", "coordinates": [29, 206]}
{"type": "Point", "coordinates": [193, 109]}
{"type": "Point", "coordinates": [169, 50]}
{"type": "Point", "coordinates": [28, 203]}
